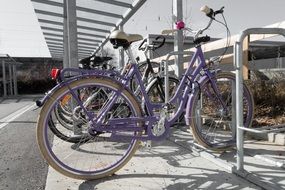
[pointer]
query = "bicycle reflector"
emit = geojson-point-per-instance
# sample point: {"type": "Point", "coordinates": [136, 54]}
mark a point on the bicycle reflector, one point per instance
{"type": "Point", "coordinates": [54, 73]}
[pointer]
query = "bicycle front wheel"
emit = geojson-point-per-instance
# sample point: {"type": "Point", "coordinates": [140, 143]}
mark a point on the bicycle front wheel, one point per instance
{"type": "Point", "coordinates": [101, 155]}
{"type": "Point", "coordinates": [213, 115]}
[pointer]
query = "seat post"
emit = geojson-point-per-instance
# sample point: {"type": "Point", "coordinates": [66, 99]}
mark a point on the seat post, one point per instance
{"type": "Point", "coordinates": [130, 54]}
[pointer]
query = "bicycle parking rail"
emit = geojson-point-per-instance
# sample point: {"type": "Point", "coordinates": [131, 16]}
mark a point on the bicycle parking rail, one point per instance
{"type": "Point", "coordinates": [238, 57]}
{"type": "Point", "coordinates": [11, 63]}
{"type": "Point", "coordinates": [166, 74]}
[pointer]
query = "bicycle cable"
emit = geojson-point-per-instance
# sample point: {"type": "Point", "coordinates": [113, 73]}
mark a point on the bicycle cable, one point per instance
{"type": "Point", "coordinates": [228, 40]}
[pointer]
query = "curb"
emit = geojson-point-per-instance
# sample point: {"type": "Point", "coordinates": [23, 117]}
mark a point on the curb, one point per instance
{"type": "Point", "coordinates": [276, 138]}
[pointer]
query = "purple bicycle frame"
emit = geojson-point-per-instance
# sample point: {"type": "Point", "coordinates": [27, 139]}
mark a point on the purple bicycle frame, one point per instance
{"type": "Point", "coordinates": [186, 88]}
{"type": "Point", "coordinates": [192, 76]}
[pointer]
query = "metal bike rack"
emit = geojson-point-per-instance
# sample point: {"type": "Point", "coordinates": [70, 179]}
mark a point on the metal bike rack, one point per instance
{"type": "Point", "coordinates": [238, 57]}
{"type": "Point", "coordinates": [166, 74]}
{"type": "Point", "coordinates": [10, 80]}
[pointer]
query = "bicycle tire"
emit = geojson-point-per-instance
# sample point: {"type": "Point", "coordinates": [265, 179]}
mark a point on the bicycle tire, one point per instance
{"type": "Point", "coordinates": [142, 67]}
{"type": "Point", "coordinates": [156, 94]}
{"type": "Point", "coordinates": [106, 157]}
{"type": "Point", "coordinates": [64, 136]}
{"type": "Point", "coordinates": [65, 119]}
{"type": "Point", "coordinates": [209, 124]}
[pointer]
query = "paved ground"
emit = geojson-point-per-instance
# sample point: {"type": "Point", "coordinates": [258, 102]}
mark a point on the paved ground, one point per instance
{"type": "Point", "coordinates": [170, 164]}
{"type": "Point", "coordinates": [167, 165]}
{"type": "Point", "coordinates": [21, 166]}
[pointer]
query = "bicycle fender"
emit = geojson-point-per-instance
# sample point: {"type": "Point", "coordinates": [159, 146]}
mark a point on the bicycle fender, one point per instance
{"type": "Point", "coordinates": [41, 101]}
{"type": "Point", "coordinates": [190, 101]}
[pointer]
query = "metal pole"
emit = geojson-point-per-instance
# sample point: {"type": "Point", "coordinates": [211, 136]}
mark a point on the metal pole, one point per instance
{"type": "Point", "coordinates": [72, 33]}
{"type": "Point", "coordinates": [121, 53]}
{"type": "Point", "coordinates": [10, 79]}
{"type": "Point", "coordinates": [72, 50]}
{"type": "Point", "coordinates": [178, 36]}
{"type": "Point", "coordinates": [238, 63]}
{"type": "Point", "coordinates": [4, 78]}
{"type": "Point", "coordinates": [15, 80]}
{"type": "Point", "coordinates": [239, 104]}
{"type": "Point", "coordinates": [65, 37]}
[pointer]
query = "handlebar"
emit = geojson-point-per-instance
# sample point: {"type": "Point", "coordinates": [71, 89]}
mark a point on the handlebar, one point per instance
{"type": "Point", "coordinates": [208, 11]}
{"type": "Point", "coordinates": [155, 44]}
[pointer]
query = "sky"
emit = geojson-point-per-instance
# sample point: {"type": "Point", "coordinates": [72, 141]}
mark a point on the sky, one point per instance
{"type": "Point", "coordinates": [21, 36]}
{"type": "Point", "coordinates": [20, 32]}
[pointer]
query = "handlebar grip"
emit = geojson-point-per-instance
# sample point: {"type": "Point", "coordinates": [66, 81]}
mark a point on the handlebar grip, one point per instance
{"type": "Point", "coordinates": [208, 11]}
{"type": "Point", "coordinates": [205, 9]}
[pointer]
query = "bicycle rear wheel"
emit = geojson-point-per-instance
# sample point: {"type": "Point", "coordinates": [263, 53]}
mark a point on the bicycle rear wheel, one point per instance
{"type": "Point", "coordinates": [65, 128]}
{"type": "Point", "coordinates": [156, 91]}
{"type": "Point", "coordinates": [212, 123]}
{"type": "Point", "coordinates": [142, 68]}
{"type": "Point", "coordinates": [101, 155]}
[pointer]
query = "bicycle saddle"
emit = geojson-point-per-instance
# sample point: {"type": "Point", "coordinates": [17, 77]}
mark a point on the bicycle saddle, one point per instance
{"type": "Point", "coordinates": [119, 38]}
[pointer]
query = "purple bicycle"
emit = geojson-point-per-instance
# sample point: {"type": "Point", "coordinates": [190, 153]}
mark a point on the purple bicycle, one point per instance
{"type": "Point", "coordinates": [117, 122]}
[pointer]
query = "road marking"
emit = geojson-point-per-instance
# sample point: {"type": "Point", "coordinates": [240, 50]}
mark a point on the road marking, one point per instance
{"type": "Point", "coordinates": [6, 120]}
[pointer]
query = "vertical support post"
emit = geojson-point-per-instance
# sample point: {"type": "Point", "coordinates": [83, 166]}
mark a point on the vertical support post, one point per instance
{"type": "Point", "coordinates": [239, 104]}
{"type": "Point", "coordinates": [10, 80]}
{"type": "Point", "coordinates": [72, 50]}
{"type": "Point", "coordinates": [4, 78]}
{"type": "Point", "coordinates": [234, 101]}
{"type": "Point", "coordinates": [245, 67]}
{"type": "Point", "coordinates": [178, 36]}
{"type": "Point", "coordinates": [121, 53]}
{"type": "Point", "coordinates": [72, 33]}
{"type": "Point", "coordinates": [65, 37]}
{"type": "Point", "coordinates": [15, 80]}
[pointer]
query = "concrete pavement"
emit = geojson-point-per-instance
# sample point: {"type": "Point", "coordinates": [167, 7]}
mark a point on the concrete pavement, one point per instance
{"type": "Point", "coordinates": [167, 165]}
{"type": "Point", "coordinates": [171, 164]}
{"type": "Point", "coordinates": [21, 165]}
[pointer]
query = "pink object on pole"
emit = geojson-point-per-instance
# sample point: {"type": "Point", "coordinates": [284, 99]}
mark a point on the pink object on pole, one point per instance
{"type": "Point", "coordinates": [180, 25]}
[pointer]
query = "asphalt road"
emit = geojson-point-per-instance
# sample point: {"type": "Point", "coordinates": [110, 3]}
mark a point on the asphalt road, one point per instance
{"type": "Point", "coordinates": [21, 165]}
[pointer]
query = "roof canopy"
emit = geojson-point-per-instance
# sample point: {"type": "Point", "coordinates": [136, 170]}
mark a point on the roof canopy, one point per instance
{"type": "Point", "coordinates": [95, 20]}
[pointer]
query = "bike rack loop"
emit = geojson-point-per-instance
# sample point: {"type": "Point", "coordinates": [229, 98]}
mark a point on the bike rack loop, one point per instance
{"type": "Point", "coordinates": [166, 74]}
{"type": "Point", "coordinates": [238, 57]}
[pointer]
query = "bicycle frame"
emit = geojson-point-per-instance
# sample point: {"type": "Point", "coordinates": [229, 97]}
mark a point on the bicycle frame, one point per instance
{"type": "Point", "coordinates": [188, 84]}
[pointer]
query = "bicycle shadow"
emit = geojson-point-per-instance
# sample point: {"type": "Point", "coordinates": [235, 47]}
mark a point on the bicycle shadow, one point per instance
{"type": "Point", "coordinates": [167, 165]}
{"type": "Point", "coordinates": [167, 182]}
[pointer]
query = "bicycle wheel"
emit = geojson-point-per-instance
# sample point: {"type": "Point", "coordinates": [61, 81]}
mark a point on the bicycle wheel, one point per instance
{"type": "Point", "coordinates": [63, 111]}
{"type": "Point", "coordinates": [212, 123]}
{"type": "Point", "coordinates": [156, 92]}
{"type": "Point", "coordinates": [65, 130]}
{"type": "Point", "coordinates": [102, 154]}
{"type": "Point", "coordinates": [142, 68]}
